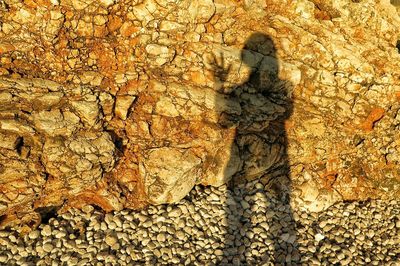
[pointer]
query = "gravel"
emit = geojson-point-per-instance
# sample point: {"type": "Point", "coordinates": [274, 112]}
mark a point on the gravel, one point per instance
{"type": "Point", "coordinates": [215, 226]}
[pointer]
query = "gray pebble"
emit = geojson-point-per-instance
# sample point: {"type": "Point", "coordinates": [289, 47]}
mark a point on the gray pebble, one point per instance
{"type": "Point", "coordinates": [46, 231]}
{"type": "Point", "coordinates": [48, 247]}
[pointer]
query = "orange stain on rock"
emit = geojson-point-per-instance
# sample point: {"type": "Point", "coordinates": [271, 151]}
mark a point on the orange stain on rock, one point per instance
{"type": "Point", "coordinates": [129, 30]}
{"type": "Point", "coordinates": [130, 87]}
{"type": "Point", "coordinates": [198, 77]}
{"type": "Point", "coordinates": [375, 115]}
{"type": "Point", "coordinates": [321, 14]}
{"type": "Point", "coordinates": [6, 47]}
{"type": "Point", "coordinates": [329, 179]}
{"type": "Point", "coordinates": [134, 41]}
{"type": "Point", "coordinates": [114, 23]}
{"type": "Point", "coordinates": [289, 125]}
{"type": "Point", "coordinates": [69, 15]}
{"type": "Point", "coordinates": [126, 174]}
{"type": "Point", "coordinates": [87, 198]}
{"type": "Point", "coordinates": [100, 31]}
{"type": "Point", "coordinates": [37, 3]}
{"type": "Point", "coordinates": [106, 58]}
{"type": "Point", "coordinates": [359, 33]}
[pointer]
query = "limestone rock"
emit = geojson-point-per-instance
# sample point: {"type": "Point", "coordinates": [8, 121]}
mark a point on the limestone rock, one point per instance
{"type": "Point", "coordinates": [123, 105]}
{"type": "Point", "coordinates": [169, 174]}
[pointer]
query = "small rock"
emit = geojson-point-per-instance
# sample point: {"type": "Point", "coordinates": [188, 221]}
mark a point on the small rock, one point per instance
{"type": "Point", "coordinates": [180, 235]}
{"type": "Point", "coordinates": [111, 240]}
{"type": "Point", "coordinates": [161, 238]}
{"type": "Point", "coordinates": [218, 252]}
{"type": "Point", "coordinates": [370, 233]}
{"type": "Point", "coordinates": [46, 231]}
{"type": "Point", "coordinates": [34, 234]}
{"type": "Point", "coordinates": [245, 204]}
{"type": "Point", "coordinates": [176, 212]}
{"type": "Point", "coordinates": [318, 237]}
{"type": "Point", "coordinates": [48, 247]}
{"type": "Point", "coordinates": [88, 208]}
{"type": "Point", "coordinates": [285, 237]}
{"type": "Point", "coordinates": [60, 234]}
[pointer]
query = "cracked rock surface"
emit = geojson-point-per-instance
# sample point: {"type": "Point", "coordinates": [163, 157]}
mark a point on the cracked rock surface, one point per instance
{"type": "Point", "coordinates": [122, 104]}
{"type": "Point", "coordinates": [53, 143]}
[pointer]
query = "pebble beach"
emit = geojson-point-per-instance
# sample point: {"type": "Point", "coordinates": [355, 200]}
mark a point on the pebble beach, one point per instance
{"type": "Point", "coordinates": [214, 226]}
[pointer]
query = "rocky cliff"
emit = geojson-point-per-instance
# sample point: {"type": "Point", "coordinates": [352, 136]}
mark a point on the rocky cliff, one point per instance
{"type": "Point", "coordinates": [122, 104]}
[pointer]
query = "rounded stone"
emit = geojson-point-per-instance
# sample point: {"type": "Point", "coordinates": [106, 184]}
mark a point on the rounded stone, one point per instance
{"type": "Point", "coordinates": [111, 240]}
{"type": "Point", "coordinates": [161, 238]}
{"type": "Point", "coordinates": [34, 234]}
{"type": "Point", "coordinates": [48, 247]}
{"type": "Point", "coordinates": [46, 231]}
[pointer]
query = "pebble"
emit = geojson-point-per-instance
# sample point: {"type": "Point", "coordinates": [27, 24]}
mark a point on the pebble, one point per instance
{"type": "Point", "coordinates": [180, 235]}
{"type": "Point", "coordinates": [319, 237]}
{"type": "Point", "coordinates": [176, 212]}
{"type": "Point", "coordinates": [110, 240]}
{"type": "Point", "coordinates": [255, 228]}
{"type": "Point", "coordinates": [34, 234]}
{"type": "Point", "coordinates": [48, 247]}
{"type": "Point", "coordinates": [60, 234]}
{"type": "Point", "coordinates": [88, 208]}
{"type": "Point", "coordinates": [370, 233]}
{"type": "Point", "coordinates": [245, 204]}
{"type": "Point", "coordinates": [161, 237]}
{"type": "Point", "coordinates": [46, 231]}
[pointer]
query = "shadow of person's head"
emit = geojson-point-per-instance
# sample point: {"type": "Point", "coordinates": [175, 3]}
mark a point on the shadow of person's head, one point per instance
{"type": "Point", "coordinates": [260, 54]}
{"type": "Point", "coordinates": [261, 43]}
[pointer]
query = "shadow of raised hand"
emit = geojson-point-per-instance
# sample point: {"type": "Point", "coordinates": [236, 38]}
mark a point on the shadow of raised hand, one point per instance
{"type": "Point", "coordinates": [220, 69]}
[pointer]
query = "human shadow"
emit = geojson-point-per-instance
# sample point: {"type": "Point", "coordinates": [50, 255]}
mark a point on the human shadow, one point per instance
{"type": "Point", "coordinates": [261, 229]}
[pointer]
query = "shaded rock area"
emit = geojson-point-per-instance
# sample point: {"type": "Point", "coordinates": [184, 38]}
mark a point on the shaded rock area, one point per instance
{"type": "Point", "coordinates": [116, 103]}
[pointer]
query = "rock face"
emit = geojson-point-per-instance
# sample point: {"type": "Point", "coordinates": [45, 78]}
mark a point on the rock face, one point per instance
{"type": "Point", "coordinates": [124, 104]}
